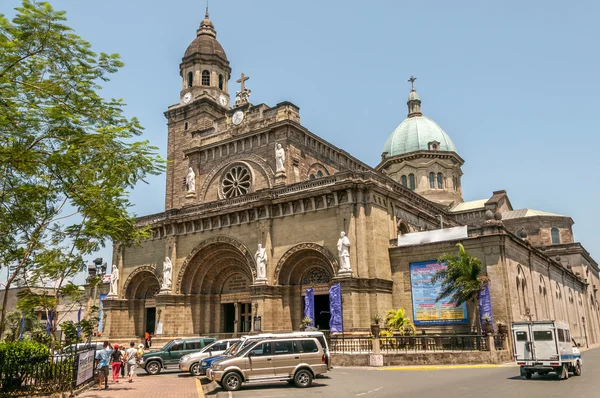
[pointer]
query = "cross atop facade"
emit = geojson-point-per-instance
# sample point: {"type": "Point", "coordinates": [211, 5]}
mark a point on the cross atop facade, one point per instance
{"type": "Point", "coordinates": [412, 81]}
{"type": "Point", "coordinates": [241, 80]}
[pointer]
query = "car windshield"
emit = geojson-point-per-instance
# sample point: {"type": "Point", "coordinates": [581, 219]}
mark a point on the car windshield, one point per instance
{"type": "Point", "coordinates": [166, 346]}
{"type": "Point", "coordinates": [232, 348]}
{"type": "Point", "coordinates": [245, 348]}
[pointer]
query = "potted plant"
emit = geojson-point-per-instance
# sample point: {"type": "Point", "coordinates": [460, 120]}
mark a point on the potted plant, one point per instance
{"type": "Point", "coordinates": [487, 324]}
{"type": "Point", "coordinates": [375, 324]}
{"type": "Point", "coordinates": [502, 328]}
{"type": "Point", "coordinates": [306, 321]}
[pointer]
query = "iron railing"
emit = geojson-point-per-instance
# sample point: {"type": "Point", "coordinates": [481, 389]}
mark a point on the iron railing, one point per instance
{"type": "Point", "coordinates": [412, 344]}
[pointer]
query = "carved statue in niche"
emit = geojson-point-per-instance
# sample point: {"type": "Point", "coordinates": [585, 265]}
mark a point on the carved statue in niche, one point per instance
{"type": "Point", "coordinates": [343, 246]}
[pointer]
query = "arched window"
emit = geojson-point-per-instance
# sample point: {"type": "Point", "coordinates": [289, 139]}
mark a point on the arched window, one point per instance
{"type": "Point", "coordinates": [522, 290]}
{"type": "Point", "coordinates": [205, 78]}
{"type": "Point", "coordinates": [555, 236]}
{"type": "Point", "coordinates": [440, 181]}
{"type": "Point", "coordinates": [431, 180]}
{"type": "Point", "coordinates": [403, 180]}
{"type": "Point", "coordinates": [311, 177]}
{"type": "Point", "coordinates": [220, 82]}
{"type": "Point", "coordinates": [185, 126]}
{"type": "Point", "coordinates": [319, 174]}
{"type": "Point", "coordinates": [544, 296]}
{"type": "Point", "coordinates": [190, 79]}
{"type": "Point", "coordinates": [411, 182]}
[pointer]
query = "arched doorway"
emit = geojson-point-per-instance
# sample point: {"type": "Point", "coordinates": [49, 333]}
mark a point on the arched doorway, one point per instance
{"type": "Point", "coordinates": [140, 290]}
{"type": "Point", "coordinates": [217, 276]}
{"type": "Point", "coordinates": [303, 267]}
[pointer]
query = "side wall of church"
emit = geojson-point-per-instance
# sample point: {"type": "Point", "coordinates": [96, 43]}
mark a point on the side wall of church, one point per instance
{"type": "Point", "coordinates": [522, 283]}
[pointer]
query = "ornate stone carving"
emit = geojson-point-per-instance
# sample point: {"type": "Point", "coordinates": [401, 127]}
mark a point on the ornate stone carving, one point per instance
{"type": "Point", "coordinates": [279, 158]}
{"type": "Point", "coordinates": [305, 246]}
{"type": "Point", "coordinates": [261, 263]}
{"type": "Point", "coordinates": [114, 281]}
{"type": "Point", "coordinates": [167, 275]}
{"type": "Point", "coordinates": [135, 272]}
{"type": "Point", "coordinates": [316, 276]}
{"type": "Point", "coordinates": [237, 181]}
{"type": "Point", "coordinates": [190, 181]}
{"type": "Point", "coordinates": [242, 158]}
{"type": "Point", "coordinates": [343, 247]}
{"type": "Point", "coordinates": [204, 244]}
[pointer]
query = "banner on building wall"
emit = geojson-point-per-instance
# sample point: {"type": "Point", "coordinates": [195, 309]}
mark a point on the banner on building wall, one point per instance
{"type": "Point", "coordinates": [101, 312]}
{"type": "Point", "coordinates": [426, 311]}
{"type": "Point", "coordinates": [335, 308]}
{"type": "Point", "coordinates": [436, 235]}
{"type": "Point", "coordinates": [485, 305]}
{"type": "Point", "coordinates": [309, 305]}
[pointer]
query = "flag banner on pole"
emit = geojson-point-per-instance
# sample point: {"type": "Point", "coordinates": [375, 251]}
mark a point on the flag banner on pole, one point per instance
{"type": "Point", "coordinates": [485, 305]}
{"type": "Point", "coordinates": [22, 327]}
{"type": "Point", "coordinates": [79, 323]}
{"type": "Point", "coordinates": [309, 305]}
{"type": "Point", "coordinates": [49, 322]}
{"type": "Point", "coordinates": [335, 308]}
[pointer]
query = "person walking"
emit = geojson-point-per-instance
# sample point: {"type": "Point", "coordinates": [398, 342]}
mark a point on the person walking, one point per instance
{"type": "Point", "coordinates": [102, 360]}
{"type": "Point", "coordinates": [116, 363]}
{"type": "Point", "coordinates": [147, 340]}
{"type": "Point", "coordinates": [122, 348]}
{"type": "Point", "coordinates": [131, 358]}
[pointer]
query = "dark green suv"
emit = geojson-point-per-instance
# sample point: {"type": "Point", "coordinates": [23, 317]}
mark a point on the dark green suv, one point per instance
{"type": "Point", "coordinates": [168, 356]}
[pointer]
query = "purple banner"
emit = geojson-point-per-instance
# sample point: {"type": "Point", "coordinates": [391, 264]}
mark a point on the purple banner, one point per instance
{"type": "Point", "coordinates": [335, 308]}
{"type": "Point", "coordinates": [485, 305]}
{"type": "Point", "coordinates": [309, 305]}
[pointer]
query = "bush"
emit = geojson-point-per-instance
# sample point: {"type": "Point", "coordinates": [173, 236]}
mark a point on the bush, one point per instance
{"type": "Point", "coordinates": [18, 360]}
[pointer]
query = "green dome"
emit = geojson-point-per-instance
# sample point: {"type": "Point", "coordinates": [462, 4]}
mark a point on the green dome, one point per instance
{"type": "Point", "coordinates": [414, 134]}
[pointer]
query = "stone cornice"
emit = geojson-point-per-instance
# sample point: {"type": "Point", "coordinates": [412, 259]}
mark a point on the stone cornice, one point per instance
{"type": "Point", "coordinates": [420, 154]}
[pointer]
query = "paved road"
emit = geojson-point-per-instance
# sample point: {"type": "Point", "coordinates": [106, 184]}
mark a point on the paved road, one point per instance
{"type": "Point", "coordinates": [498, 382]}
{"type": "Point", "coordinates": [495, 382]}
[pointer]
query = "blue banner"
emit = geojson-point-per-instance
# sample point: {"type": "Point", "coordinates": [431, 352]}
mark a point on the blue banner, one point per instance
{"type": "Point", "coordinates": [49, 322]}
{"type": "Point", "coordinates": [485, 306]}
{"type": "Point", "coordinates": [426, 311]}
{"type": "Point", "coordinates": [79, 324]}
{"type": "Point", "coordinates": [22, 326]}
{"type": "Point", "coordinates": [336, 323]}
{"type": "Point", "coordinates": [309, 305]}
{"type": "Point", "coordinates": [101, 312]}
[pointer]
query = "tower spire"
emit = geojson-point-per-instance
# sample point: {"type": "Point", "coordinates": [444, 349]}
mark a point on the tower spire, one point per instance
{"type": "Point", "coordinates": [414, 102]}
{"type": "Point", "coordinates": [206, 15]}
{"type": "Point", "coordinates": [206, 26]}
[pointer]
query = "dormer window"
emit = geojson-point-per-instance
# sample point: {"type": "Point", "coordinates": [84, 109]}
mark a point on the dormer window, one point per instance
{"type": "Point", "coordinates": [555, 235]}
{"type": "Point", "coordinates": [205, 78]}
{"type": "Point", "coordinates": [434, 146]}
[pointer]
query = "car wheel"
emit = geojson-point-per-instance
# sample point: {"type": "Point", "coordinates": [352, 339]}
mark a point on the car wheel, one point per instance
{"type": "Point", "coordinates": [528, 375]}
{"type": "Point", "coordinates": [303, 378]}
{"type": "Point", "coordinates": [232, 381]}
{"type": "Point", "coordinates": [195, 369]}
{"type": "Point", "coordinates": [577, 371]}
{"type": "Point", "coordinates": [153, 367]}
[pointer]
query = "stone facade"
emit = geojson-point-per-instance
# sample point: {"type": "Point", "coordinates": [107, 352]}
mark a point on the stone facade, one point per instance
{"type": "Point", "coordinates": [210, 230]}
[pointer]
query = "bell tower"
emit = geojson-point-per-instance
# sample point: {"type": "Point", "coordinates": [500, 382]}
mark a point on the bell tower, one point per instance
{"type": "Point", "coordinates": [204, 69]}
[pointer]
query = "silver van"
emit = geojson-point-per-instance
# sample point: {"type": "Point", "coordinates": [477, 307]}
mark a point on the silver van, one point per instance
{"type": "Point", "coordinates": [191, 362]}
{"type": "Point", "coordinates": [297, 360]}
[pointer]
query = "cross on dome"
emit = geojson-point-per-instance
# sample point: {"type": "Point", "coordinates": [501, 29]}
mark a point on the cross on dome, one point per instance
{"type": "Point", "coordinates": [412, 81]}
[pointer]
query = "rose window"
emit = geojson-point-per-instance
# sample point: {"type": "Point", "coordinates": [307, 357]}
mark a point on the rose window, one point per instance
{"type": "Point", "coordinates": [236, 182]}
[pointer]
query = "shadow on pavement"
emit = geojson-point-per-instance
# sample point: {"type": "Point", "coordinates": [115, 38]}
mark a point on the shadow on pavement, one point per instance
{"type": "Point", "coordinates": [264, 386]}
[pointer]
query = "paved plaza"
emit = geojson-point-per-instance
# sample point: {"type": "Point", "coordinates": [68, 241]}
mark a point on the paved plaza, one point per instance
{"type": "Point", "coordinates": [423, 382]}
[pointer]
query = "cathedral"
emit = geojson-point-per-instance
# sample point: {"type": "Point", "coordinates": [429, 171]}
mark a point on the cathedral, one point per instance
{"type": "Point", "coordinates": [259, 210]}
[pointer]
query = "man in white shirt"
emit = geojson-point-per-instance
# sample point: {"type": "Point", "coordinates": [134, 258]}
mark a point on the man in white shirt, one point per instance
{"type": "Point", "coordinates": [131, 360]}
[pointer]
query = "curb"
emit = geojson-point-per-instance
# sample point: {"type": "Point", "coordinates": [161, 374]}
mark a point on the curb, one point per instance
{"type": "Point", "coordinates": [446, 367]}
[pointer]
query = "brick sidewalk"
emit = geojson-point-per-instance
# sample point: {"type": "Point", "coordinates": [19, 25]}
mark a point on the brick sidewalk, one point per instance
{"type": "Point", "coordinates": [145, 386]}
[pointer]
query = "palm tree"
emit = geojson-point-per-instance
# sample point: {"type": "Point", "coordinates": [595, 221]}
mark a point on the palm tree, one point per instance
{"type": "Point", "coordinates": [462, 279]}
{"type": "Point", "coordinates": [397, 320]}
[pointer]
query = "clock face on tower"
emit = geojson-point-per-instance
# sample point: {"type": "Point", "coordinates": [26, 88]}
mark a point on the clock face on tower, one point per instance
{"type": "Point", "coordinates": [223, 100]}
{"type": "Point", "coordinates": [187, 98]}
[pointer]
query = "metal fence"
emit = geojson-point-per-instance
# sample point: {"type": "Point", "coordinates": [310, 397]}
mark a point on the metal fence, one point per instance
{"type": "Point", "coordinates": [45, 375]}
{"type": "Point", "coordinates": [413, 344]}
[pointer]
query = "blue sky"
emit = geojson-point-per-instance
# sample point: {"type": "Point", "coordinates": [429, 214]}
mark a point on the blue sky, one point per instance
{"type": "Point", "coordinates": [515, 84]}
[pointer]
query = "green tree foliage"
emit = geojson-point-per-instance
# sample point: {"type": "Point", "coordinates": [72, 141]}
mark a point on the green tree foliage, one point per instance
{"type": "Point", "coordinates": [397, 320]}
{"type": "Point", "coordinates": [68, 156]}
{"type": "Point", "coordinates": [28, 322]}
{"type": "Point", "coordinates": [462, 279]}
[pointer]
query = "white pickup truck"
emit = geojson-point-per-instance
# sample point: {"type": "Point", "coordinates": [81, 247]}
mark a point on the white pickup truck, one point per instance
{"type": "Point", "coordinates": [546, 346]}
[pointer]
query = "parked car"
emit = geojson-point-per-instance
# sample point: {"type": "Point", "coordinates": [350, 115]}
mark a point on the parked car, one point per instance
{"type": "Point", "coordinates": [245, 340]}
{"type": "Point", "coordinates": [546, 346]}
{"type": "Point", "coordinates": [72, 349]}
{"type": "Point", "coordinates": [191, 362]}
{"type": "Point", "coordinates": [296, 360]}
{"type": "Point", "coordinates": [154, 362]}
